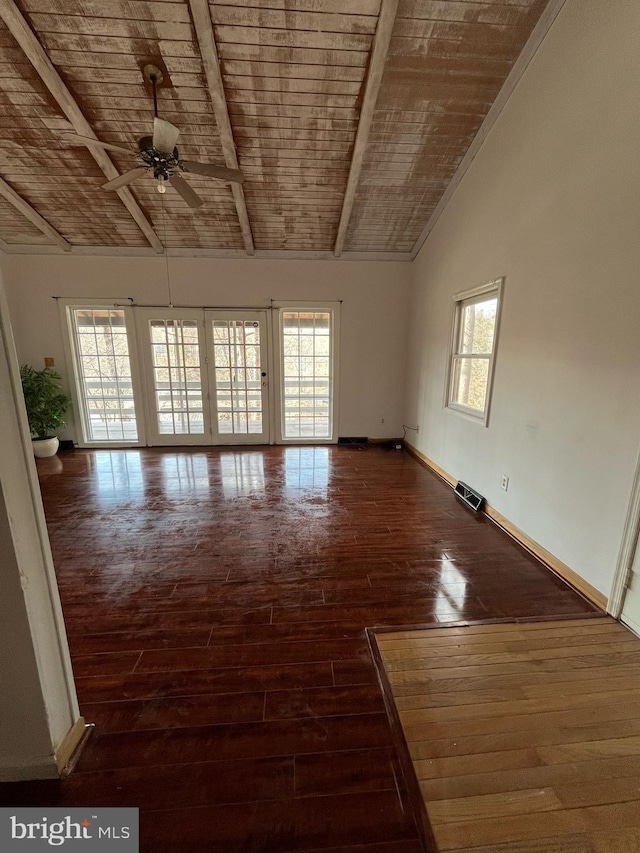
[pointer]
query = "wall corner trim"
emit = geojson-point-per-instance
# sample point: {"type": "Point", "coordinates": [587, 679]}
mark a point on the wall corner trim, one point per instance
{"type": "Point", "coordinates": [630, 542]}
{"type": "Point", "coordinates": [553, 563]}
{"type": "Point", "coordinates": [67, 751]}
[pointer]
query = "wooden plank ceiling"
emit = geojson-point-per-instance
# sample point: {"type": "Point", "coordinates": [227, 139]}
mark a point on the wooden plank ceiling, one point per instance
{"type": "Point", "coordinates": [295, 77]}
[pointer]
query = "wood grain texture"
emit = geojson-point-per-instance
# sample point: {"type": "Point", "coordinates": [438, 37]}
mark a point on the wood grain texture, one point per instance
{"type": "Point", "coordinates": [218, 643]}
{"type": "Point", "coordinates": [537, 761]}
{"type": "Point", "coordinates": [17, 229]}
{"type": "Point", "coordinates": [279, 85]}
{"type": "Point", "coordinates": [211, 62]}
{"type": "Point", "coordinates": [35, 53]}
{"type": "Point", "coordinates": [380, 48]}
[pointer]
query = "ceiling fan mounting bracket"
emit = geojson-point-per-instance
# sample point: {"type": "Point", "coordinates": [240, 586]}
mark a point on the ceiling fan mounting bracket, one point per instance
{"type": "Point", "coordinates": [153, 75]}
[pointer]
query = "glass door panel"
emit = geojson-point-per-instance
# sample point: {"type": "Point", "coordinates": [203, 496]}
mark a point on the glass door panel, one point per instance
{"type": "Point", "coordinates": [238, 377]}
{"type": "Point", "coordinates": [307, 392]}
{"type": "Point", "coordinates": [104, 379]}
{"type": "Point", "coordinates": [177, 377]}
{"type": "Point", "coordinates": [175, 369]}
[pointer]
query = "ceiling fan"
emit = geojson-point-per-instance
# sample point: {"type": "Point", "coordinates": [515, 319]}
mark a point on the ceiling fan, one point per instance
{"type": "Point", "coordinates": [159, 155]}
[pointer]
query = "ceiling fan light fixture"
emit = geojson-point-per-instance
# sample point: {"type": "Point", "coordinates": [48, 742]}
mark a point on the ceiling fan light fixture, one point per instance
{"type": "Point", "coordinates": [160, 186]}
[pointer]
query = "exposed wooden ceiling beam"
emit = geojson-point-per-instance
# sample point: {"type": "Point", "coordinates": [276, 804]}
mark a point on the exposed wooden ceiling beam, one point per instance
{"type": "Point", "coordinates": [35, 53]}
{"type": "Point", "coordinates": [33, 216]}
{"type": "Point", "coordinates": [206, 39]}
{"type": "Point", "coordinates": [381, 41]}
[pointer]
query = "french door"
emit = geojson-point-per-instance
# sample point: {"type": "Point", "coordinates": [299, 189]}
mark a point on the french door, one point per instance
{"type": "Point", "coordinates": [167, 376]}
{"type": "Point", "coordinates": [205, 376]}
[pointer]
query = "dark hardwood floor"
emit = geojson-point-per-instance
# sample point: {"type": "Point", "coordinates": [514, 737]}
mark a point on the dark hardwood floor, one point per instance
{"type": "Point", "coordinates": [216, 600]}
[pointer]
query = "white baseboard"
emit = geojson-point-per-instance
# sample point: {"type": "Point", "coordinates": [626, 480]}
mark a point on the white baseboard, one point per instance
{"type": "Point", "coordinates": [70, 744]}
{"type": "Point", "coordinates": [557, 566]}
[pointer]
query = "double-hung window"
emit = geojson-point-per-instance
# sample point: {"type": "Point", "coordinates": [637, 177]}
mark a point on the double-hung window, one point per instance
{"type": "Point", "coordinates": [475, 329]}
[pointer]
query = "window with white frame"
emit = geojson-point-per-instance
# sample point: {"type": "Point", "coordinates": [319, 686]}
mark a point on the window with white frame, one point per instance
{"type": "Point", "coordinates": [102, 366]}
{"type": "Point", "coordinates": [475, 328]}
{"type": "Point", "coordinates": [308, 372]}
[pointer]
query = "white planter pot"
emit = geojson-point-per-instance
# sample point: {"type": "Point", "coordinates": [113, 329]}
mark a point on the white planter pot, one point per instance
{"type": "Point", "coordinates": [43, 447]}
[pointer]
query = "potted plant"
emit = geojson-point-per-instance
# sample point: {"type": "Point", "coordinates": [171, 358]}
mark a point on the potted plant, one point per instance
{"type": "Point", "coordinates": [46, 405]}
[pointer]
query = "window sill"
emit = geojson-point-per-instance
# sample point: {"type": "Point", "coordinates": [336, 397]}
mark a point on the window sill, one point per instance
{"type": "Point", "coordinates": [480, 418]}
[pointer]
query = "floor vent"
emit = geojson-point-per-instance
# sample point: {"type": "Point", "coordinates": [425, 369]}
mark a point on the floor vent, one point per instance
{"type": "Point", "coordinates": [469, 496]}
{"type": "Point", "coordinates": [354, 439]}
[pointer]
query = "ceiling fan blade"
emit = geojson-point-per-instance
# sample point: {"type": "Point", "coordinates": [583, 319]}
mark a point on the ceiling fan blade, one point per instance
{"type": "Point", "coordinates": [189, 195]}
{"type": "Point", "coordinates": [126, 178]}
{"type": "Point", "coordinates": [220, 172]}
{"type": "Point", "coordinates": [165, 135]}
{"type": "Point", "coordinates": [74, 139]}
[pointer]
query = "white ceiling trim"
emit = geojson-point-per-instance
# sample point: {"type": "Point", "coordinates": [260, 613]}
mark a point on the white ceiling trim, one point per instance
{"type": "Point", "coordinates": [143, 252]}
{"type": "Point", "coordinates": [520, 66]}
{"type": "Point", "coordinates": [37, 56]}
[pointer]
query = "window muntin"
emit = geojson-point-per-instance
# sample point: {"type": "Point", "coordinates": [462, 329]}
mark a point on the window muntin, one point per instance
{"type": "Point", "coordinates": [238, 377]}
{"type": "Point", "coordinates": [177, 379]}
{"type": "Point", "coordinates": [473, 349]}
{"type": "Point", "coordinates": [307, 382]}
{"type": "Point", "coordinates": [105, 385]}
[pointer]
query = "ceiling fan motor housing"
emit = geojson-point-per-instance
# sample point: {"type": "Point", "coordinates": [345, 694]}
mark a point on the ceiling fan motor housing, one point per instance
{"type": "Point", "coordinates": [162, 164]}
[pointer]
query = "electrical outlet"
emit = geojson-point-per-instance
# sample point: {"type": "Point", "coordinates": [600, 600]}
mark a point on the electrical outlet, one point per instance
{"type": "Point", "coordinates": [504, 482]}
{"type": "Point", "coordinates": [381, 420]}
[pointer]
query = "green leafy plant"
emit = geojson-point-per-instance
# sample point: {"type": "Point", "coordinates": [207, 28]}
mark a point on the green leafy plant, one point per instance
{"type": "Point", "coordinates": [45, 400]}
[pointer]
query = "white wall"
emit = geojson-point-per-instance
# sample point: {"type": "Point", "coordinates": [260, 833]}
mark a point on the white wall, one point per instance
{"type": "Point", "coordinates": [552, 203]}
{"type": "Point", "coordinates": [38, 706]}
{"type": "Point", "coordinates": [374, 314]}
{"type": "Point", "coordinates": [24, 738]}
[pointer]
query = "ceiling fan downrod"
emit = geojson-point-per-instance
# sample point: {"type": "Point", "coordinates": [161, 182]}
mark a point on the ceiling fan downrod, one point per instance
{"type": "Point", "coordinates": [154, 76]}
{"type": "Point", "coordinates": [155, 96]}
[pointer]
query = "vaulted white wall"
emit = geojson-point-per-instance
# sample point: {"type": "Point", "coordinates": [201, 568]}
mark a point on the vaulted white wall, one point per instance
{"type": "Point", "coordinates": [374, 316]}
{"type": "Point", "coordinates": [551, 202]}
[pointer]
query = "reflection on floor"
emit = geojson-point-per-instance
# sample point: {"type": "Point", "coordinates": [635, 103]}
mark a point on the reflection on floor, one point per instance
{"type": "Point", "coordinates": [523, 736]}
{"type": "Point", "coordinates": [216, 601]}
